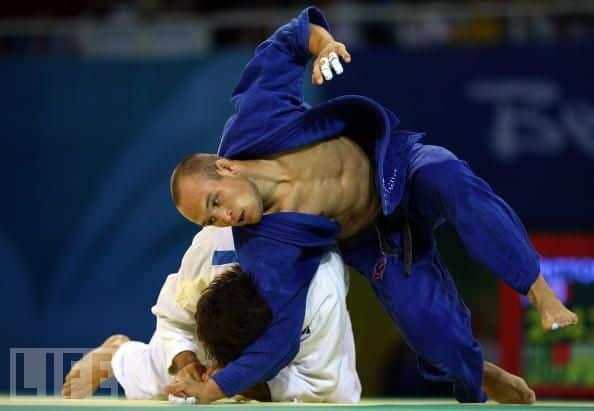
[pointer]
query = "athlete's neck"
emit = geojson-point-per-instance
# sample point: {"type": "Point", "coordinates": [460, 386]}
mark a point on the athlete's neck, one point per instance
{"type": "Point", "coordinates": [267, 177]}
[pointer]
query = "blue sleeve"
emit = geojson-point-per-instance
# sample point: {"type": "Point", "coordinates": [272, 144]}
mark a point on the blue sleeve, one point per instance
{"type": "Point", "coordinates": [282, 273]}
{"type": "Point", "coordinates": [276, 69]}
{"type": "Point", "coordinates": [270, 91]}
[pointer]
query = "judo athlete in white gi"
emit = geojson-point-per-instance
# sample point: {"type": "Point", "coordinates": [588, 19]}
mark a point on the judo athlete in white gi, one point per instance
{"type": "Point", "coordinates": [323, 370]}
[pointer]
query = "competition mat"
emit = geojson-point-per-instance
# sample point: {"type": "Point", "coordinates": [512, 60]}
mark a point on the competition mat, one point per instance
{"type": "Point", "coordinates": [104, 404]}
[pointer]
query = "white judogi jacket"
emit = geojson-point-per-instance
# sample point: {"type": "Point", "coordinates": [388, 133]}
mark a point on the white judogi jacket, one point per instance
{"type": "Point", "coordinates": [324, 368]}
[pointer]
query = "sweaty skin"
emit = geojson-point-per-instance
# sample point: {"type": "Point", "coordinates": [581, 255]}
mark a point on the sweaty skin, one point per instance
{"type": "Point", "coordinates": [333, 179]}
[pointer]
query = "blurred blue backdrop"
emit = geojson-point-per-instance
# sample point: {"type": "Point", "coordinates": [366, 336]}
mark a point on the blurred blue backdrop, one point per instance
{"type": "Point", "coordinates": [88, 232]}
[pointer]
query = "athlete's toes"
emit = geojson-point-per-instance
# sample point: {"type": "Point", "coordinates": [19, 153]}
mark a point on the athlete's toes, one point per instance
{"type": "Point", "coordinates": [531, 397]}
{"type": "Point", "coordinates": [560, 321]}
{"type": "Point", "coordinates": [567, 317]}
{"type": "Point", "coordinates": [548, 322]}
{"type": "Point", "coordinates": [79, 392]}
{"type": "Point", "coordinates": [67, 390]}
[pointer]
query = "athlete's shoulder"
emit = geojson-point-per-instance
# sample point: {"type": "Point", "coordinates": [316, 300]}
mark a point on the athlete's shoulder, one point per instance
{"type": "Point", "coordinates": [214, 238]}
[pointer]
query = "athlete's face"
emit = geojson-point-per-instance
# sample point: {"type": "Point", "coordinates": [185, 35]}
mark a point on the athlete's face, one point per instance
{"type": "Point", "coordinates": [223, 202]}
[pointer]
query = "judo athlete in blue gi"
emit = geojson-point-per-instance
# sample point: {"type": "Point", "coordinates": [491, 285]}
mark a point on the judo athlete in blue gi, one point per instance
{"type": "Point", "coordinates": [295, 180]}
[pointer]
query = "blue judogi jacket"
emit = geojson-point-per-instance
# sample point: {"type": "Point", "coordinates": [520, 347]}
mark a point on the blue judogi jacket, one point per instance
{"type": "Point", "coordinates": [283, 251]}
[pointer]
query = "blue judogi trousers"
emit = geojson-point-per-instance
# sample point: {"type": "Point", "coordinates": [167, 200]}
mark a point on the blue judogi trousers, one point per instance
{"type": "Point", "coordinates": [425, 304]}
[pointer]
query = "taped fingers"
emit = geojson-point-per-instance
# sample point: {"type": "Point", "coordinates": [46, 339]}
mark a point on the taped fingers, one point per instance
{"type": "Point", "coordinates": [330, 63]}
{"type": "Point", "coordinates": [325, 68]}
{"type": "Point", "coordinates": [335, 63]}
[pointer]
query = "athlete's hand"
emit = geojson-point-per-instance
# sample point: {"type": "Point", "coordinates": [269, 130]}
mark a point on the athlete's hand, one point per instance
{"type": "Point", "coordinates": [192, 371]}
{"type": "Point", "coordinates": [204, 391]}
{"type": "Point", "coordinates": [327, 64]}
{"type": "Point", "coordinates": [328, 54]}
{"type": "Point", "coordinates": [182, 359]}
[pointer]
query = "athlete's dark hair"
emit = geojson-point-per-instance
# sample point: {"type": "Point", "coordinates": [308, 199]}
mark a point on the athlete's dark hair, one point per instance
{"type": "Point", "coordinates": [195, 165]}
{"type": "Point", "coordinates": [230, 315]}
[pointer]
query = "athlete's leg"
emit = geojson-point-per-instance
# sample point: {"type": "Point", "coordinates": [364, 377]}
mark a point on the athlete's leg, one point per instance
{"type": "Point", "coordinates": [434, 322]}
{"type": "Point", "coordinates": [141, 369]}
{"type": "Point", "coordinates": [442, 188]}
{"type": "Point", "coordinates": [433, 319]}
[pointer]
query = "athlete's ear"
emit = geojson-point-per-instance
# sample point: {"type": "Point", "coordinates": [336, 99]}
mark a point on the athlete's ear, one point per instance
{"type": "Point", "coordinates": [226, 167]}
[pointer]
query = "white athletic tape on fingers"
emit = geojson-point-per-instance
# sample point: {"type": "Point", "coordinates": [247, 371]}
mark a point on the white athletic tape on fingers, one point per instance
{"type": "Point", "coordinates": [335, 63]}
{"type": "Point", "coordinates": [325, 68]}
{"type": "Point", "coordinates": [555, 326]}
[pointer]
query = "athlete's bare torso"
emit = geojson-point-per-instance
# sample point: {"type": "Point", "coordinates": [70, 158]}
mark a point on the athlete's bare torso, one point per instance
{"type": "Point", "coordinates": [333, 179]}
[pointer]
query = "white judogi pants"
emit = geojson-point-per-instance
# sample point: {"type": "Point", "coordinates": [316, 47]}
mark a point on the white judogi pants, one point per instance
{"type": "Point", "coordinates": [141, 369]}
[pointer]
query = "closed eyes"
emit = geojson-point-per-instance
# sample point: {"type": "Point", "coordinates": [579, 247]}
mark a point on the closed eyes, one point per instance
{"type": "Point", "coordinates": [214, 203]}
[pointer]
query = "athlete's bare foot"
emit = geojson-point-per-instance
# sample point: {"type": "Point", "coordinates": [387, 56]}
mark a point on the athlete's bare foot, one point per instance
{"type": "Point", "coordinates": [95, 367]}
{"type": "Point", "coordinates": [505, 388]}
{"type": "Point", "coordinates": [553, 314]}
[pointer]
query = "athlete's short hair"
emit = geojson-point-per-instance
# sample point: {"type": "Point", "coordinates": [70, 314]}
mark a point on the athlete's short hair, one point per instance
{"type": "Point", "coordinates": [195, 165]}
{"type": "Point", "coordinates": [230, 315]}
